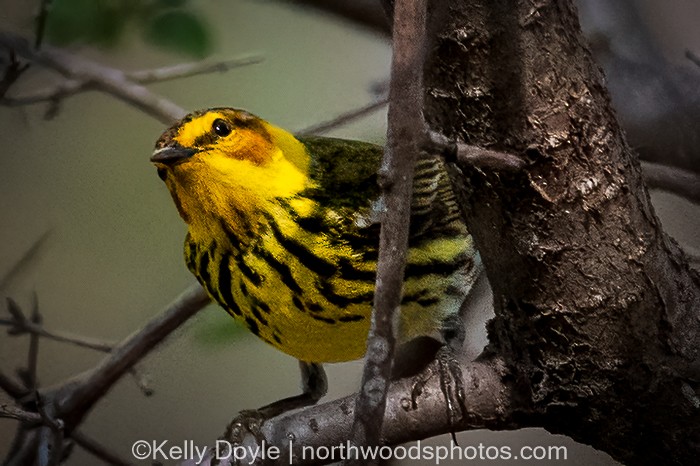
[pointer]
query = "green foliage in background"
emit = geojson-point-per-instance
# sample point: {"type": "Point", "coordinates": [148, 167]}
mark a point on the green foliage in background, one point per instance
{"type": "Point", "coordinates": [171, 24]}
{"type": "Point", "coordinates": [213, 328]}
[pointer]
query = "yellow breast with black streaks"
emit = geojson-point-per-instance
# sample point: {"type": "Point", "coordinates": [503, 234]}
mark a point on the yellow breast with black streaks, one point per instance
{"type": "Point", "coordinates": [283, 233]}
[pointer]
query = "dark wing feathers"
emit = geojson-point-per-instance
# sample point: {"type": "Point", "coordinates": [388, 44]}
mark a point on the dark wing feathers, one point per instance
{"type": "Point", "coordinates": [345, 171]}
{"type": "Point", "coordinates": [346, 175]}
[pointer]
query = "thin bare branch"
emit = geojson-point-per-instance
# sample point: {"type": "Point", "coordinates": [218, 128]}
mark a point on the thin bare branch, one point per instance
{"type": "Point", "coordinates": [186, 70]}
{"type": "Point", "coordinates": [23, 325]}
{"type": "Point", "coordinates": [12, 412]}
{"type": "Point", "coordinates": [71, 87]}
{"type": "Point", "coordinates": [15, 311]}
{"type": "Point", "coordinates": [678, 181]}
{"type": "Point", "coordinates": [467, 155]}
{"type": "Point", "coordinates": [109, 80]}
{"type": "Point", "coordinates": [10, 386]}
{"type": "Point", "coordinates": [24, 261]}
{"type": "Point", "coordinates": [19, 325]}
{"type": "Point", "coordinates": [675, 180]}
{"type": "Point", "coordinates": [343, 119]}
{"type": "Point", "coordinates": [404, 135]}
{"type": "Point", "coordinates": [77, 396]}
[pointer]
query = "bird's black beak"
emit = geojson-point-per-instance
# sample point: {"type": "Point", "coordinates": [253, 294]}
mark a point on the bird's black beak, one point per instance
{"type": "Point", "coordinates": [172, 154]}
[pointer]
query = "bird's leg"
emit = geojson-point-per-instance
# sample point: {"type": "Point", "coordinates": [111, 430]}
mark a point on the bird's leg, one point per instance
{"type": "Point", "coordinates": [451, 383]}
{"type": "Point", "coordinates": [452, 386]}
{"type": "Point", "coordinates": [449, 371]}
{"type": "Point", "coordinates": [314, 386]}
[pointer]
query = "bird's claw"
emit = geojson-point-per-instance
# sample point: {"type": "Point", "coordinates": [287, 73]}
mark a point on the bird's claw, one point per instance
{"type": "Point", "coordinates": [449, 371]}
{"type": "Point", "coordinates": [243, 429]}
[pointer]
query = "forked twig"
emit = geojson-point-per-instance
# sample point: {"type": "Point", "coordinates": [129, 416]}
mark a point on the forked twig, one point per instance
{"type": "Point", "coordinates": [70, 87]}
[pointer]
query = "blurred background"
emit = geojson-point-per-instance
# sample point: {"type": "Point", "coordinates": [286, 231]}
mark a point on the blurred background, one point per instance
{"type": "Point", "coordinates": [113, 255]}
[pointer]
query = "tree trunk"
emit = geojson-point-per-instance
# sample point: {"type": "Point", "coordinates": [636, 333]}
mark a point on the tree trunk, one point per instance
{"type": "Point", "coordinates": [597, 311]}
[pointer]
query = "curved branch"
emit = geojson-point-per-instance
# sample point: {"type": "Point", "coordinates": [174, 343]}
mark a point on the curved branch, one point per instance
{"type": "Point", "coordinates": [109, 80]}
{"type": "Point", "coordinates": [77, 396]}
{"type": "Point", "coordinates": [409, 415]}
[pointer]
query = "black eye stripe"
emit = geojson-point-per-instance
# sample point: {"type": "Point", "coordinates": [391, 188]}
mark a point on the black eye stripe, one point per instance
{"type": "Point", "coordinates": [221, 127]}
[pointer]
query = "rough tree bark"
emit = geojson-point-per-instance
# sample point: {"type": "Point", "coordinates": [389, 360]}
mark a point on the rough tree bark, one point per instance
{"type": "Point", "coordinates": [597, 312]}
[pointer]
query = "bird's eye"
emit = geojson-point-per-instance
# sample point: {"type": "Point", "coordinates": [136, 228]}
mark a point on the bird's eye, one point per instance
{"type": "Point", "coordinates": [220, 127]}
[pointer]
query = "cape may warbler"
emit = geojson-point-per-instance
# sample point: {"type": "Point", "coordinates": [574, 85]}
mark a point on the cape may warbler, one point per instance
{"type": "Point", "coordinates": [283, 232]}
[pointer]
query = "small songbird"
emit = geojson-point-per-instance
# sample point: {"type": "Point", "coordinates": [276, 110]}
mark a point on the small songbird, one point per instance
{"type": "Point", "coordinates": [283, 232]}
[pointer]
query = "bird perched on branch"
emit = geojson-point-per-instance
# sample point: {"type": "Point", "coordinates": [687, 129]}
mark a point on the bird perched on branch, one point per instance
{"type": "Point", "coordinates": [283, 232]}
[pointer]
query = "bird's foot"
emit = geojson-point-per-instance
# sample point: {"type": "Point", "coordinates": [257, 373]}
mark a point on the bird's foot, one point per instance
{"type": "Point", "coordinates": [244, 432]}
{"type": "Point", "coordinates": [448, 369]}
{"type": "Point", "coordinates": [248, 421]}
{"type": "Point", "coordinates": [238, 444]}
